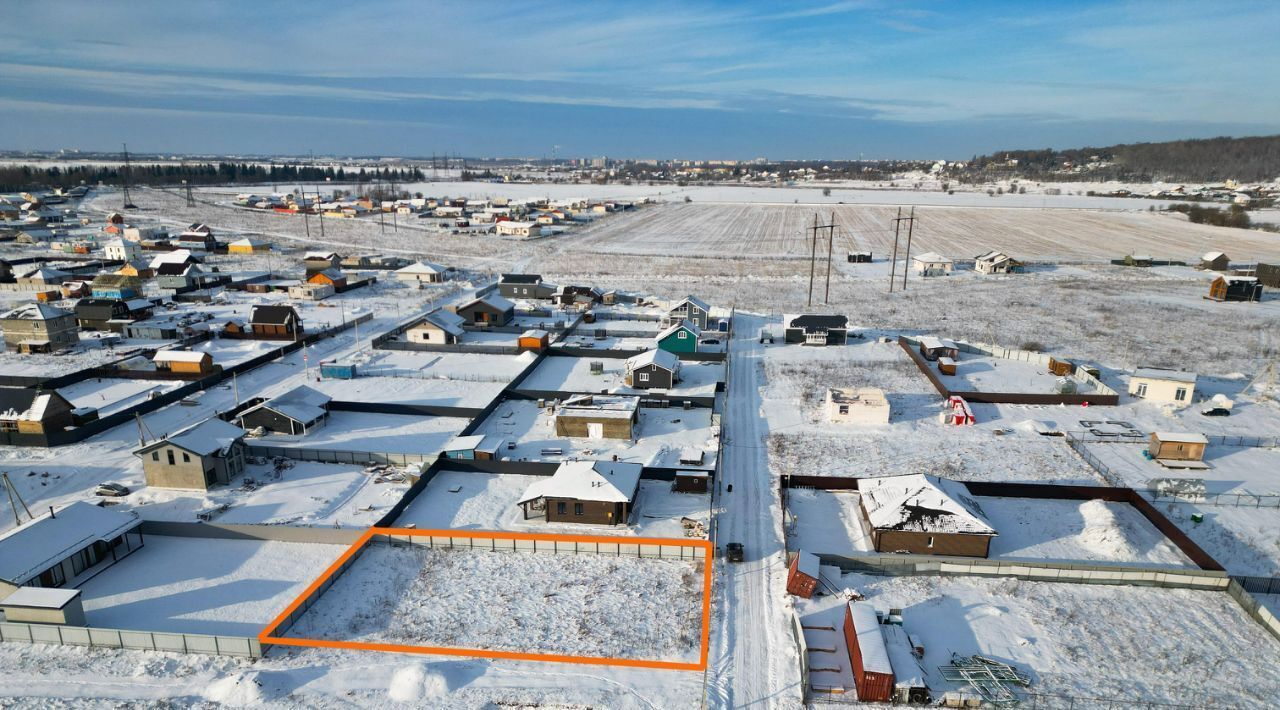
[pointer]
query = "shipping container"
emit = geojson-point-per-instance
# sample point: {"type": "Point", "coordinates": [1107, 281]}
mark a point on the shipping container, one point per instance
{"type": "Point", "coordinates": [868, 657]}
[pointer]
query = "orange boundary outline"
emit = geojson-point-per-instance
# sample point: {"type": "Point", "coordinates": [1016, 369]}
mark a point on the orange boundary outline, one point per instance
{"type": "Point", "coordinates": [266, 638]}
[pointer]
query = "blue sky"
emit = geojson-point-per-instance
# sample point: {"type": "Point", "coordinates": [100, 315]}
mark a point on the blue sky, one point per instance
{"type": "Point", "coordinates": [833, 79]}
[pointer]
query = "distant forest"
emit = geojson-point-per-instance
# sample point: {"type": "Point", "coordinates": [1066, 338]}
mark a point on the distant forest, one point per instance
{"type": "Point", "coordinates": [18, 178]}
{"type": "Point", "coordinates": [1210, 160]}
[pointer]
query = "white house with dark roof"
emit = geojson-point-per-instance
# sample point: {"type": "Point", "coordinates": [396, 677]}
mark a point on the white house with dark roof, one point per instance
{"type": "Point", "coordinates": [439, 327]}
{"type": "Point", "coordinates": [421, 272]}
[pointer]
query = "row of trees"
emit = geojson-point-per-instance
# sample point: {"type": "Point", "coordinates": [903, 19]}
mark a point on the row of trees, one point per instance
{"type": "Point", "coordinates": [1250, 159]}
{"type": "Point", "coordinates": [26, 177]}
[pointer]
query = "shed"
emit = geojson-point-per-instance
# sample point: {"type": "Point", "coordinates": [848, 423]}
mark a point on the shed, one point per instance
{"type": "Point", "coordinates": [535, 339]}
{"type": "Point", "coordinates": [933, 348]}
{"type": "Point", "coordinates": [185, 361]}
{"type": "Point", "coordinates": [859, 257]}
{"type": "Point", "coordinates": [1235, 288]}
{"type": "Point", "coordinates": [946, 366]}
{"type": "Point", "coordinates": [1215, 261]}
{"type": "Point", "coordinates": [600, 492]}
{"type": "Point", "coordinates": [802, 575]}
{"type": "Point", "coordinates": [331, 277]}
{"type": "Point", "coordinates": [311, 291]}
{"type": "Point", "coordinates": [1061, 368]}
{"type": "Point", "coordinates": [1157, 384]}
{"type": "Point", "coordinates": [474, 447]}
{"type": "Point", "coordinates": [39, 605]}
{"type": "Point", "coordinates": [692, 482]}
{"type": "Point", "coordinates": [925, 515]}
{"type": "Point", "coordinates": [1177, 446]}
{"type": "Point", "coordinates": [868, 656]}
{"type": "Point", "coordinates": [248, 245]}
{"type": "Point", "coordinates": [275, 322]}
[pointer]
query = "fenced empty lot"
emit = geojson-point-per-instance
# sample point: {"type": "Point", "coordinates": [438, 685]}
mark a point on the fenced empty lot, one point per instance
{"type": "Point", "coordinates": [959, 232]}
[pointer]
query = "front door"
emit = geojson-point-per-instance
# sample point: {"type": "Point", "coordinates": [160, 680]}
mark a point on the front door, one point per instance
{"type": "Point", "coordinates": [595, 430]}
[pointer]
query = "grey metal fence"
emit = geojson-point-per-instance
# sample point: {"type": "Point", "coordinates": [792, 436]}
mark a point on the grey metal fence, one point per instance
{"type": "Point", "coordinates": [340, 455]}
{"type": "Point", "coordinates": [93, 637]}
{"type": "Point", "coordinates": [1223, 500]}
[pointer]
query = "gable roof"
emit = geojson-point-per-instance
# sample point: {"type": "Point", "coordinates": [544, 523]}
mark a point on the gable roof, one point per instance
{"type": "Point", "coordinates": [1160, 373]}
{"type": "Point", "coordinates": [177, 256]}
{"type": "Point", "coordinates": [209, 437]}
{"type": "Point", "coordinates": [492, 300]}
{"type": "Point", "coordinates": [109, 280]}
{"type": "Point", "coordinates": [301, 404]}
{"type": "Point", "coordinates": [44, 273]}
{"type": "Point", "coordinates": [693, 300]}
{"type": "Point", "coordinates": [422, 267]}
{"type": "Point", "coordinates": [992, 256]}
{"type": "Point", "coordinates": [34, 546]}
{"type": "Point", "coordinates": [666, 360]}
{"type": "Point", "coordinates": [447, 321]}
{"type": "Point", "coordinates": [180, 356]}
{"type": "Point", "coordinates": [922, 503]}
{"type": "Point", "coordinates": [684, 324]}
{"type": "Point", "coordinates": [606, 481]}
{"type": "Point", "coordinates": [26, 404]}
{"type": "Point", "coordinates": [331, 273]}
{"type": "Point", "coordinates": [272, 315]}
{"type": "Point", "coordinates": [1210, 256]}
{"type": "Point", "coordinates": [35, 311]}
{"type": "Point", "coordinates": [521, 278]}
{"type": "Point", "coordinates": [817, 321]}
{"type": "Point", "coordinates": [932, 257]}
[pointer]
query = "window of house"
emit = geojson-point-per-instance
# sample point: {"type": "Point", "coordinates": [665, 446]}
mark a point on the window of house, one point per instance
{"type": "Point", "coordinates": [171, 461]}
{"type": "Point", "coordinates": [1181, 394]}
{"type": "Point", "coordinates": [577, 509]}
{"type": "Point", "coordinates": [155, 455]}
{"type": "Point", "coordinates": [644, 377]}
{"type": "Point", "coordinates": [186, 458]}
{"type": "Point", "coordinates": [682, 334]}
{"type": "Point", "coordinates": [930, 542]}
{"type": "Point", "coordinates": [560, 508]}
{"type": "Point", "coordinates": [844, 409]}
{"type": "Point", "coordinates": [1142, 389]}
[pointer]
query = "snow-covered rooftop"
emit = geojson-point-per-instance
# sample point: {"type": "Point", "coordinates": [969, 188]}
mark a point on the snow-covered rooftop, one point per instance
{"type": "Point", "coordinates": [29, 549]}
{"type": "Point", "coordinates": [922, 503]}
{"type": "Point", "coordinates": [1182, 437]}
{"type": "Point", "coordinates": [1160, 373]}
{"type": "Point", "coordinates": [608, 481]}
{"type": "Point", "coordinates": [661, 358]}
{"type": "Point", "coordinates": [179, 356]}
{"type": "Point", "coordinates": [866, 626]}
{"type": "Point", "coordinates": [208, 437]}
{"type": "Point", "coordinates": [301, 404]}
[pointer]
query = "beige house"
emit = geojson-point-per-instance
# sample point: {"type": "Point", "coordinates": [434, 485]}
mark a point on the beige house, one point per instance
{"type": "Point", "coordinates": [865, 405]}
{"type": "Point", "coordinates": [421, 272]}
{"type": "Point", "coordinates": [440, 327]}
{"type": "Point", "coordinates": [208, 454]}
{"type": "Point", "coordinates": [1161, 385]}
{"type": "Point", "coordinates": [39, 327]}
{"type": "Point", "coordinates": [308, 291]}
{"type": "Point", "coordinates": [519, 229]}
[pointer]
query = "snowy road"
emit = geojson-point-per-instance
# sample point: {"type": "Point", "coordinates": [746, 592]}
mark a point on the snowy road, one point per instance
{"type": "Point", "coordinates": [753, 663]}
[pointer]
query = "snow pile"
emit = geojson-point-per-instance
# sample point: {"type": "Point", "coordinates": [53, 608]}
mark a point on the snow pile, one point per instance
{"type": "Point", "coordinates": [237, 690]}
{"type": "Point", "coordinates": [417, 682]}
{"type": "Point", "coordinates": [1105, 533]}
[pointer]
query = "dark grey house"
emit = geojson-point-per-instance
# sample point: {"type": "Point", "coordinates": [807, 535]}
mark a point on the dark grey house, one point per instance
{"type": "Point", "coordinates": [693, 309]}
{"type": "Point", "coordinates": [525, 286]}
{"type": "Point", "coordinates": [653, 369]}
{"type": "Point", "coordinates": [295, 412]}
{"type": "Point", "coordinates": [489, 310]}
{"type": "Point", "coordinates": [815, 329]}
{"type": "Point", "coordinates": [94, 313]}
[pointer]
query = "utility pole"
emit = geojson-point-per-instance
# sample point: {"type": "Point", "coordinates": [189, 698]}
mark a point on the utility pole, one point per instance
{"type": "Point", "coordinates": [813, 257]}
{"type": "Point", "coordinates": [15, 499]}
{"type": "Point", "coordinates": [906, 263]}
{"type": "Point", "coordinates": [893, 262]}
{"type": "Point", "coordinates": [128, 202]}
{"type": "Point", "coordinates": [235, 388]}
{"type": "Point", "coordinates": [831, 238]}
{"type": "Point", "coordinates": [306, 213]}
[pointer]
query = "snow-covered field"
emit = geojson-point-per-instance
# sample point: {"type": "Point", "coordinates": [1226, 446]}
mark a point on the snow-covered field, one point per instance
{"type": "Point", "coordinates": [111, 395]}
{"type": "Point", "coordinates": [585, 605]}
{"type": "Point", "coordinates": [1232, 469]}
{"type": "Point", "coordinates": [1245, 540]}
{"type": "Point", "coordinates": [484, 501]}
{"type": "Point", "coordinates": [203, 585]}
{"type": "Point", "coordinates": [1124, 644]}
{"type": "Point", "coordinates": [469, 367]}
{"type": "Point", "coordinates": [420, 390]}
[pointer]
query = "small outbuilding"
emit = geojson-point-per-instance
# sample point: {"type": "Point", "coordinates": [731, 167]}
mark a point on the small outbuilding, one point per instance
{"type": "Point", "coordinates": [421, 272]}
{"type": "Point", "coordinates": [865, 405]}
{"type": "Point", "coordinates": [802, 574]}
{"type": "Point", "coordinates": [535, 340]}
{"type": "Point", "coordinates": [932, 348]}
{"type": "Point", "coordinates": [1235, 288]}
{"type": "Point", "coordinates": [859, 257]}
{"type": "Point", "coordinates": [1215, 261]}
{"type": "Point", "coordinates": [599, 492]}
{"type": "Point", "coordinates": [995, 262]}
{"type": "Point", "coordinates": [932, 264]}
{"type": "Point", "coordinates": [330, 277]}
{"type": "Point", "coordinates": [184, 361]}
{"type": "Point", "coordinates": [868, 656]}
{"type": "Point", "coordinates": [248, 245]}
{"type": "Point", "coordinates": [40, 605]}
{"type": "Point", "coordinates": [474, 447]}
{"type": "Point", "coordinates": [24, 410]}
{"type": "Point", "coordinates": [1177, 446]}
{"type": "Point", "coordinates": [311, 291]}
{"type": "Point", "coordinates": [275, 323]}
